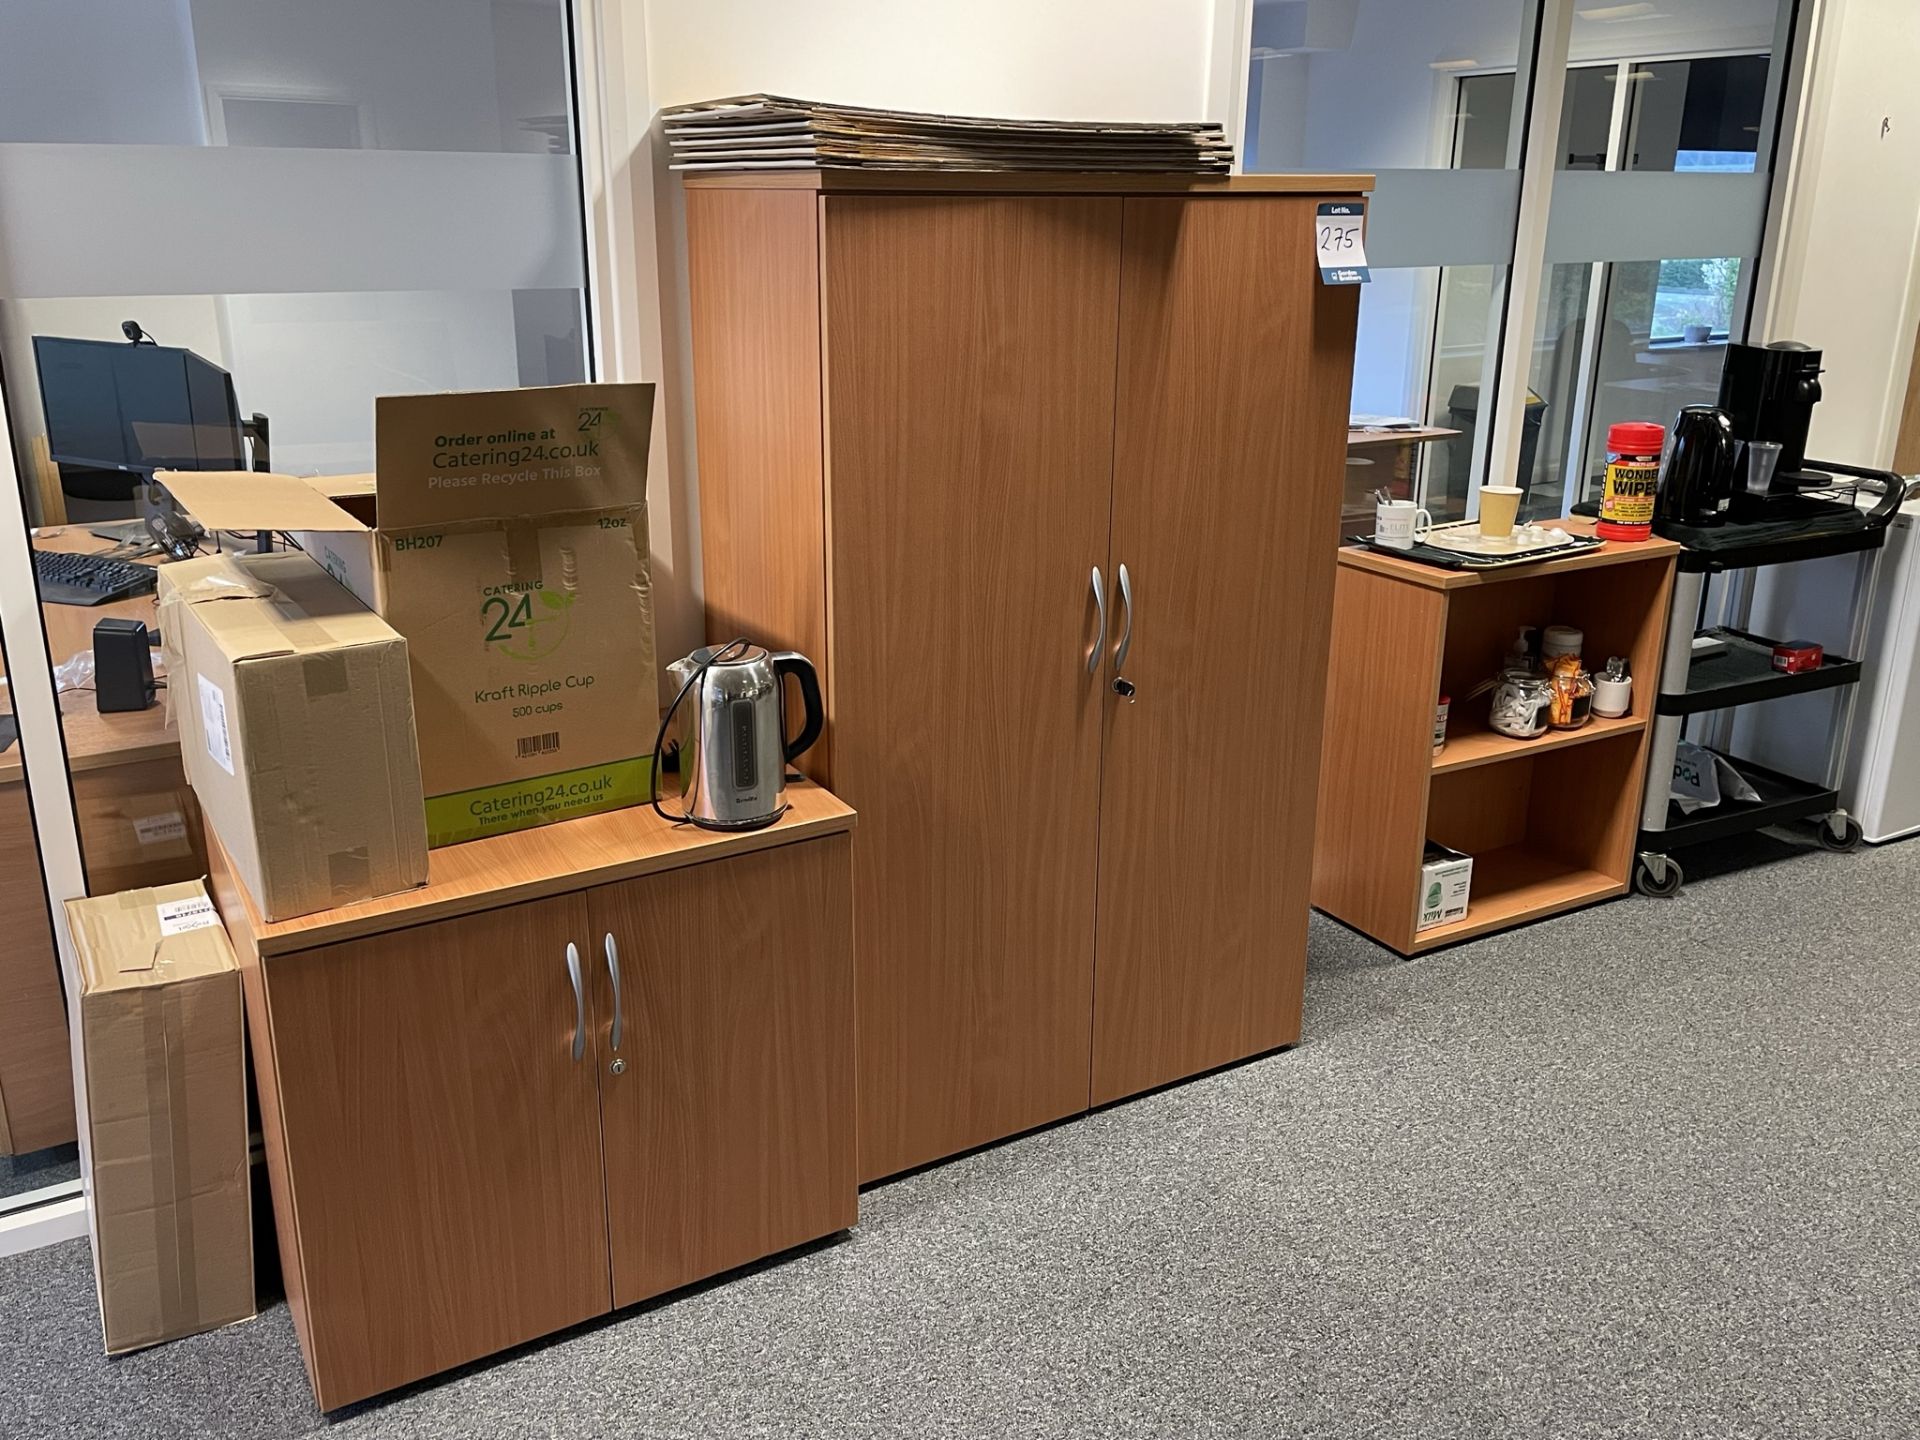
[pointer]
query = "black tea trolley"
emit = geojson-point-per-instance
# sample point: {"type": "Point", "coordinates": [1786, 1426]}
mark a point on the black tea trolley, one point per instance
{"type": "Point", "coordinates": [1807, 526]}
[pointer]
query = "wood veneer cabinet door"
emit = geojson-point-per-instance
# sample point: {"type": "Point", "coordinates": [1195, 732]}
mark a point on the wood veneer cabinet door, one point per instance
{"type": "Point", "coordinates": [969, 351]}
{"type": "Point", "coordinates": [442, 1142]}
{"type": "Point", "coordinates": [1235, 364]}
{"type": "Point", "coordinates": [36, 1066]}
{"type": "Point", "coordinates": [727, 1105]}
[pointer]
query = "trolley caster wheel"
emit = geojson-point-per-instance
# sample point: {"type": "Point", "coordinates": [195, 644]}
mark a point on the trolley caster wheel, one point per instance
{"type": "Point", "coordinates": [1848, 838]}
{"type": "Point", "coordinates": [1659, 876]}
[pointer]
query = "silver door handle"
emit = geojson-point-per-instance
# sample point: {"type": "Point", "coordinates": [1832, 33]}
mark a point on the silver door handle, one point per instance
{"type": "Point", "coordinates": [1126, 630]}
{"type": "Point", "coordinates": [1100, 604]}
{"type": "Point", "coordinates": [613, 973]}
{"type": "Point", "coordinates": [579, 1002]}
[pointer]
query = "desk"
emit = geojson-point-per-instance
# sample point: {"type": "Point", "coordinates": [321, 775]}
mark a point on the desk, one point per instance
{"type": "Point", "coordinates": [1390, 465]}
{"type": "Point", "coordinates": [138, 826]}
{"type": "Point", "coordinates": [138, 823]}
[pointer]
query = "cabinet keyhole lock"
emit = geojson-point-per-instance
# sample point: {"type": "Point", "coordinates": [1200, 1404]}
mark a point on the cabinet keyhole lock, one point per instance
{"type": "Point", "coordinates": [619, 1067]}
{"type": "Point", "coordinates": [1124, 688]}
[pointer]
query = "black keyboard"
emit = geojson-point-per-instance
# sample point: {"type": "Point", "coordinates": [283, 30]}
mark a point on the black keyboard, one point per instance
{"type": "Point", "coordinates": [88, 579]}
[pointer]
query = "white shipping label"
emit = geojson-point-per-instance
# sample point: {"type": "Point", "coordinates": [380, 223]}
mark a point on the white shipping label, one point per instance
{"type": "Point", "coordinates": [213, 723]}
{"type": "Point", "coordinates": [196, 912]}
{"type": "Point", "coordinates": [1339, 243]}
{"type": "Point", "coordinates": [161, 829]}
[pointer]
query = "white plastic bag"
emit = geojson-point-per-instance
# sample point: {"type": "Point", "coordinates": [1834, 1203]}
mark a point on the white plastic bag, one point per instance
{"type": "Point", "coordinates": [1702, 779]}
{"type": "Point", "coordinates": [75, 672]}
{"type": "Point", "coordinates": [1696, 779]}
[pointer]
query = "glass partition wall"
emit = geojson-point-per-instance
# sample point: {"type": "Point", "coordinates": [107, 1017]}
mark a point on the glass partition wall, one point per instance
{"type": "Point", "coordinates": [1375, 85]}
{"type": "Point", "coordinates": [1654, 208]}
{"type": "Point", "coordinates": [300, 207]}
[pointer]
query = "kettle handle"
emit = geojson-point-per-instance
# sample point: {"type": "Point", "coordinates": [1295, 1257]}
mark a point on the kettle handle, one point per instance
{"type": "Point", "coordinates": [789, 662]}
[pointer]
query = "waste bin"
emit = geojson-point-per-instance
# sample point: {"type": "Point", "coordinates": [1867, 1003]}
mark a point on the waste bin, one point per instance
{"type": "Point", "coordinates": [1463, 413]}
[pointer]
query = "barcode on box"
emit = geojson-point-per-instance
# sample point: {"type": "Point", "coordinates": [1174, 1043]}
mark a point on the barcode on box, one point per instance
{"type": "Point", "coordinates": [538, 744]}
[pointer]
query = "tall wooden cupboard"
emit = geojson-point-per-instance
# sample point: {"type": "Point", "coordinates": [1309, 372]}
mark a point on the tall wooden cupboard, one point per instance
{"type": "Point", "coordinates": [1045, 474]}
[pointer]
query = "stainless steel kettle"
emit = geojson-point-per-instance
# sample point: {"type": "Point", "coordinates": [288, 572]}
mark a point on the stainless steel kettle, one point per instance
{"type": "Point", "coordinates": [733, 759]}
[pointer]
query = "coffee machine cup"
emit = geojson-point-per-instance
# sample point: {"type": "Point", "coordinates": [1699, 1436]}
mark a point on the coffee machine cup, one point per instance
{"type": "Point", "coordinates": [1696, 488]}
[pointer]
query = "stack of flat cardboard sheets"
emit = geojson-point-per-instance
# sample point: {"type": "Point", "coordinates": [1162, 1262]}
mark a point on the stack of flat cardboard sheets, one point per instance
{"type": "Point", "coordinates": [772, 132]}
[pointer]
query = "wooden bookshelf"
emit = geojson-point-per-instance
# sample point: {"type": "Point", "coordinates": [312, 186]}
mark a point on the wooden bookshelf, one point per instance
{"type": "Point", "coordinates": [1482, 746]}
{"type": "Point", "coordinates": [1550, 822]}
{"type": "Point", "coordinates": [1513, 885]}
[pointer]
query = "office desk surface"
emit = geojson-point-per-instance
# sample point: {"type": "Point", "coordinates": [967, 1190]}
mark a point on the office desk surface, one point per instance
{"type": "Point", "coordinates": [94, 741]}
{"type": "Point", "coordinates": [1416, 435]}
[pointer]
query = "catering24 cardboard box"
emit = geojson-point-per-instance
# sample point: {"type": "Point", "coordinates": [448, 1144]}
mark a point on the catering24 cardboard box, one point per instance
{"type": "Point", "coordinates": [296, 730]}
{"type": "Point", "coordinates": [508, 544]}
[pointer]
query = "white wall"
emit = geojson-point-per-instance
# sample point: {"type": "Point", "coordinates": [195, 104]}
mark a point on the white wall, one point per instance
{"type": "Point", "coordinates": [1053, 59]}
{"type": "Point", "coordinates": [1845, 257]}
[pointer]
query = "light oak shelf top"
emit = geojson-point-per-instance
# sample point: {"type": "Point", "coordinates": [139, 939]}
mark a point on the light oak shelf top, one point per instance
{"type": "Point", "coordinates": [1515, 884]}
{"type": "Point", "coordinates": [1488, 747]}
{"type": "Point", "coordinates": [1611, 552]}
{"type": "Point", "coordinates": [1025, 182]}
{"type": "Point", "coordinates": [549, 860]}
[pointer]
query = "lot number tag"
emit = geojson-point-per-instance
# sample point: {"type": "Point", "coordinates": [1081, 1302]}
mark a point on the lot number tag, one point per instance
{"type": "Point", "coordinates": [1338, 243]}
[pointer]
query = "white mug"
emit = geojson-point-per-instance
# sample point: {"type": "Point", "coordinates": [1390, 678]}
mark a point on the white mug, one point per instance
{"type": "Point", "coordinates": [1612, 698]}
{"type": "Point", "coordinates": [1400, 524]}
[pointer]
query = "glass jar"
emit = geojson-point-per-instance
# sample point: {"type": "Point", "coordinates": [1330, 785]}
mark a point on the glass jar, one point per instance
{"type": "Point", "coordinates": [1572, 689]}
{"type": "Point", "coordinates": [1522, 704]}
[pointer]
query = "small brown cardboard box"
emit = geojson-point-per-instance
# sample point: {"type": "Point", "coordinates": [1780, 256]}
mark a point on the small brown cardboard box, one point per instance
{"type": "Point", "coordinates": [296, 729]}
{"type": "Point", "coordinates": [511, 550]}
{"type": "Point", "coordinates": [161, 1032]}
{"type": "Point", "coordinates": [141, 827]}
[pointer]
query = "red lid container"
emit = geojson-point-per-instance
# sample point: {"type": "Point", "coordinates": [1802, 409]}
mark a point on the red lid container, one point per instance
{"type": "Point", "coordinates": [1636, 437]}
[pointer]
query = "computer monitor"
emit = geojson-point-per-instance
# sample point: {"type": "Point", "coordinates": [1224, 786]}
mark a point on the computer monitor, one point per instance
{"type": "Point", "coordinates": [135, 409]}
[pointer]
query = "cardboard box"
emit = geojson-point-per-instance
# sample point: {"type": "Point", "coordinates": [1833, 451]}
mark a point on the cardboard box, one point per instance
{"type": "Point", "coordinates": [508, 543]}
{"type": "Point", "coordinates": [296, 730]}
{"type": "Point", "coordinates": [1446, 877]}
{"type": "Point", "coordinates": [138, 826]}
{"type": "Point", "coordinates": [161, 1035]}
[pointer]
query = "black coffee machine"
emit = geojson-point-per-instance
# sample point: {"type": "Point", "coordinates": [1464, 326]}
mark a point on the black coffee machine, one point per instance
{"type": "Point", "coordinates": [1768, 392]}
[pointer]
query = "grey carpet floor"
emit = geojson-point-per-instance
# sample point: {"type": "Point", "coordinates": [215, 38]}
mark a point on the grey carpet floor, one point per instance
{"type": "Point", "coordinates": [55, 1165]}
{"type": "Point", "coordinates": [1650, 1170]}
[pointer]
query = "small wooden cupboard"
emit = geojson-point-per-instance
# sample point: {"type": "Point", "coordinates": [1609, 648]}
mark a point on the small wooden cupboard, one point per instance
{"type": "Point", "coordinates": [586, 1065]}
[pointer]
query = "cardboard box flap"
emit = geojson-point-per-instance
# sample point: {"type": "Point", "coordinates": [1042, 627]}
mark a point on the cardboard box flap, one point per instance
{"type": "Point", "coordinates": [257, 500]}
{"type": "Point", "coordinates": [279, 604]}
{"type": "Point", "coordinates": [147, 937]}
{"type": "Point", "coordinates": [552, 450]}
{"type": "Point", "coordinates": [341, 487]}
